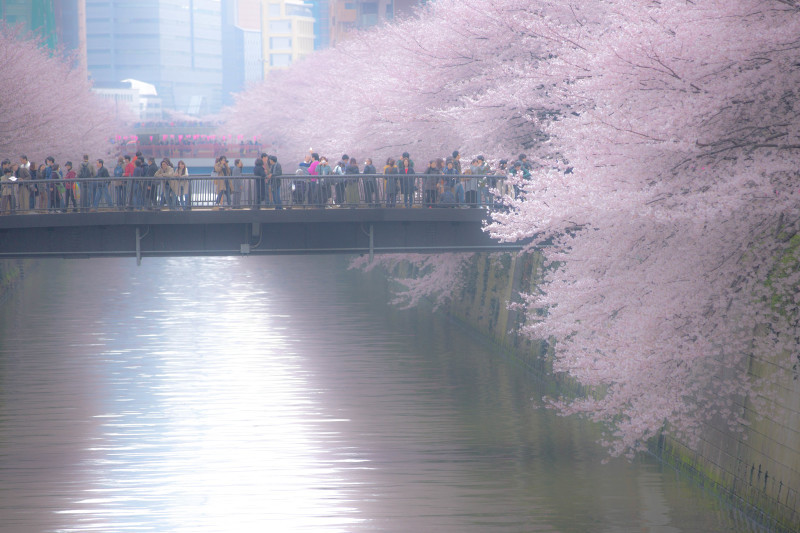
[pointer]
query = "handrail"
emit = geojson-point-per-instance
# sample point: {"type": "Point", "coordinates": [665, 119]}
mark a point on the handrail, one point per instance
{"type": "Point", "coordinates": [250, 191]}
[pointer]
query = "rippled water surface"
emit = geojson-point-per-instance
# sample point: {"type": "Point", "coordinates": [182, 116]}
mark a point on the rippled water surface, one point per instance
{"type": "Point", "coordinates": [283, 394]}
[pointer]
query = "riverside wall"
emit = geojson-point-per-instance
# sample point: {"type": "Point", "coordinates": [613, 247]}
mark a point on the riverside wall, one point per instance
{"type": "Point", "coordinates": [11, 273]}
{"type": "Point", "coordinates": [757, 470]}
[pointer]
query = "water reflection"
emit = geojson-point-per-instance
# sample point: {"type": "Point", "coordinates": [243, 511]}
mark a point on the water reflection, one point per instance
{"type": "Point", "coordinates": [282, 394]}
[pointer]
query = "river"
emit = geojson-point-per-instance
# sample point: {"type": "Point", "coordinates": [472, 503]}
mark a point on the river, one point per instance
{"type": "Point", "coordinates": [284, 394]}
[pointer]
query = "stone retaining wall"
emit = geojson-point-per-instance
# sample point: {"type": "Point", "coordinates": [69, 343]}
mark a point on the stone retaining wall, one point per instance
{"type": "Point", "coordinates": [758, 470]}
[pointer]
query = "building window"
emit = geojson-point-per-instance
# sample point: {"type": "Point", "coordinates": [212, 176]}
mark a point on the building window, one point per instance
{"type": "Point", "coordinates": [280, 60]}
{"type": "Point", "coordinates": [280, 26]}
{"type": "Point", "coordinates": [274, 10]}
{"type": "Point", "coordinates": [280, 42]}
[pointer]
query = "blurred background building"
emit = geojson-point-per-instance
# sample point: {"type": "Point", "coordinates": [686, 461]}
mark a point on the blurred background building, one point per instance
{"type": "Point", "coordinates": [287, 31]}
{"type": "Point", "coordinates": [175, 45]}
{"type": "Point", "coordinates": [190, 57]}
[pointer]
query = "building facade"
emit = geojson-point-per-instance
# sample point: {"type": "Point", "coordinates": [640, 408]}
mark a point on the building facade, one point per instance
{"type": "Point", "coordinates": [347, 16]}
{"type": "Point", "coordinates": [321, 10]}
{"type": "Point", "coordinates": [287, 31]}
{"type": "Point", "coordinates": [175, 45]}
{"type": "Point", "coordinates": [241, 46]}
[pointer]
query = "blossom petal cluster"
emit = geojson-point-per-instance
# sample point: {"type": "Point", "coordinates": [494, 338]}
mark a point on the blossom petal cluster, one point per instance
{"type": "Point", "coordinates": [666, 142]}
{"type": "Point", "coordinates": [46, 106]}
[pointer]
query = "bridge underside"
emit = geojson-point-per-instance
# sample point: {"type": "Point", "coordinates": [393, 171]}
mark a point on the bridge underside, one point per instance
{"type": "Point", "coordinates": [213, 233]}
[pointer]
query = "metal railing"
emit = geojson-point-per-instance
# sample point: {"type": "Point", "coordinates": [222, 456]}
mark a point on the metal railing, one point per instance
{"type": "Point", "coordinates": [249, 191]}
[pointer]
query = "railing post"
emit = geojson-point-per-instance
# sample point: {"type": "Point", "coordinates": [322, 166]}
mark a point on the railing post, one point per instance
{"type": "Point", "coordinates": [138, 248]}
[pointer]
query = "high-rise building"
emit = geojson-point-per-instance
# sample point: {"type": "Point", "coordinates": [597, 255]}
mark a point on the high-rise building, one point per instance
{"type": "Point", "coordinates": [175, 45]}
{"type": "Point", "coordinates": [321, 10]}
{"type": "Point", "coordinates": [241, 46]}
{"type": "Point", "coordinates": [287, 30]}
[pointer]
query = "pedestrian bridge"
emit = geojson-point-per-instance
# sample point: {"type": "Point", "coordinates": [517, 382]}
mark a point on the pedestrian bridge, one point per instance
{"type": "Point", "coordinates": [245, 232]}
{"type": "Point", "coordinates": [146, 219]}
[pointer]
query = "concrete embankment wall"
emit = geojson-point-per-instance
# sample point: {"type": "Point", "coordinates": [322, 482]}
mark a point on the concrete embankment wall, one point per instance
{"type": "Point", "coordinates": [757, 470]}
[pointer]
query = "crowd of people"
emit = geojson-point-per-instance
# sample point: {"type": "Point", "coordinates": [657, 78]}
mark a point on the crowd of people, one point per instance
{"type": "Point", "coordinates": [443, 182]}
{"type": "Point", "coordinates": [53, 187]}
{"type": "Point", "coordinates": [90, 185]}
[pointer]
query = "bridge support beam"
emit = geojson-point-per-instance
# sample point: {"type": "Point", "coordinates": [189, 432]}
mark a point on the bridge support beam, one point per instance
{"type": "Point", "coordinates": [367, 231]}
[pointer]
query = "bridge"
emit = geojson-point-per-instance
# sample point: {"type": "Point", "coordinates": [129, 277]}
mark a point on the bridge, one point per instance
{"type": "Point", "coordinates": [301, 227]}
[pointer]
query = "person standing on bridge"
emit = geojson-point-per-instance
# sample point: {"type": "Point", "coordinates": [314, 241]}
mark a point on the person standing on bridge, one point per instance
{"type": "Point", "coordinates": [118, 185]}
{"type": "Point", "coordinates": [274, 178]}
{"type": "Point", "coordinates": [182, 185]}
{"type": "Point", "coordinates": [140, 190]}
{"type": "Point", "coordinates": [42, 202]}
{"type": "Point", "coordinates": [407, 179]}
{"type": "Point", "coordinates": [324, 169]}
{"type": "Point", "coordinates": [101, 192]}
{"type": "Point", "coordinates": [166, 171]}
{"type": "Point", "coordinates": [23, 175]}
{"type": "Point", "coordinates": [370, 184]}
{"type": "Point", "coordinates": [341, 170]}
{"type": "Point", "coordinates": [151, 196]}
{"type": "Point", "coordinates": [54, 189]}
{"type": "Point", "coordinates": [313, 182]}
{"type": "Point", "coordinates": [223, 186]}
{"type": "Point", "coordinates": [70, 188]}
{"type": "Point", "coordinates": [6, 191]}
{"type": "Point", "coordinates": [86, 189]}
{"type": "Point", "coordinates": [238, 184]}
{"type": "Point", "coordinates": [351, 189]}
{"type": "Point", "coordinates": [390, 171]}
{"type": "Point", "coordinates": [260, 182]}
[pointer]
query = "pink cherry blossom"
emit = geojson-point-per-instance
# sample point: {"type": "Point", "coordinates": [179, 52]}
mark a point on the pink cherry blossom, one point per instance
{"type": "Point", "coordinates": [665, 138]}
{"type": "Point", "coordinates": [47, 107]}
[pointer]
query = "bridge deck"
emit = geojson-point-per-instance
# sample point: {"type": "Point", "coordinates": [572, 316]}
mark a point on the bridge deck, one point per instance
{"type": "Point", "coordinates": [132, 226]}
{"type": "Point", "coordinates": [246, 232]}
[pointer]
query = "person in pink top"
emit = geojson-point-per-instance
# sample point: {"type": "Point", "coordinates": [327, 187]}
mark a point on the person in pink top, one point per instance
{"type": "Point", "coordinates": [314, 189]}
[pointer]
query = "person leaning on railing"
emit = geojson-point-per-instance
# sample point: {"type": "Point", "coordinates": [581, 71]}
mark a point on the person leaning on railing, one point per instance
{"type": "Point", "coordinates": [168, 186]}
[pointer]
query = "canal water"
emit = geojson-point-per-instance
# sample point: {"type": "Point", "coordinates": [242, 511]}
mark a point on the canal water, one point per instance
{"type": "Point", "coordinates": [284, 394]}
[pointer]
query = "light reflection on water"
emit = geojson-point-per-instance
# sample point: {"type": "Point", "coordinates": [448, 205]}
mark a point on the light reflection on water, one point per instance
{"type": "Point", "coordinates": [277, 394]}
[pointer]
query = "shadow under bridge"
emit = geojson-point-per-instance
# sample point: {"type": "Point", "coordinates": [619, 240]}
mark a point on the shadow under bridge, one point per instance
{"type": "Point", "coordinates": [247, 232]}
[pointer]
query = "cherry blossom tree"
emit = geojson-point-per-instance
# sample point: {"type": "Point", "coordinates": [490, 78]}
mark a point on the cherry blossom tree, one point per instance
{"type": "Point", "coordinates": [46, 106]}
{"type": "Point", "coordinates": [434, 278]}
{"type": "Point", "coordinates": [680, 133]}
{"type": "Point", "coordinates": [665, 137]}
